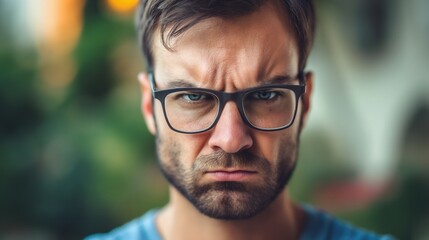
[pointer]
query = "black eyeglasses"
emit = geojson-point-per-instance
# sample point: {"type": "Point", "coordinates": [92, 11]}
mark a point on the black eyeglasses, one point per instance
{"type": "Point", "coordinates": [195, 110]}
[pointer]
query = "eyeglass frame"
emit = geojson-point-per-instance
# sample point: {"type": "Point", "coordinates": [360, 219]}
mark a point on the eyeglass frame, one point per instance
{"type": "Point", "coordinates": [237, 97]}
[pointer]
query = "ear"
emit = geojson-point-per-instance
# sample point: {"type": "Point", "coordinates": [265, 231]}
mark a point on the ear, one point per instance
{"type": "Point", "coordinates": [307, 97]}
{"type": "Point", "coordinates": [147, 104]}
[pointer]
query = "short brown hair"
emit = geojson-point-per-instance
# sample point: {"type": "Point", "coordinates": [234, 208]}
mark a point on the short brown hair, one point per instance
{"type": "Point", "coordinates": [180, 15]}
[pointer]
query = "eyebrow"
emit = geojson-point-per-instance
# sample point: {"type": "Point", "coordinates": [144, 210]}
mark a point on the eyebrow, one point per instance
{"type": "Point", "coordinates": [280, 79]}
{"type": "Point", "coordinates": [179, 83]}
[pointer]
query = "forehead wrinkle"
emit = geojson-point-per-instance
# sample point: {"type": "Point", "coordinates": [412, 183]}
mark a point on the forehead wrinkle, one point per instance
{"type": "Point", "coordinates": [215, 67]}
{"type": "Point", "coordinates": [213, 57]}
{"type": "Point", "coordinates": [269, 65]}
{"type": "Point", "coordinates": [195, 70]}
{"type": "Point", "coordinates": [231, 64]}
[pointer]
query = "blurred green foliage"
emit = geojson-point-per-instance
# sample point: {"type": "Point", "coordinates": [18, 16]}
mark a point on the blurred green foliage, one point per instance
{"type": "Point", "coordinates": [82, 162]}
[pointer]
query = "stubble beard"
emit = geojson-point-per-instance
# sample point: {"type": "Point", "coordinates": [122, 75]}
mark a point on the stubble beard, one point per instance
{"type": "Point", "coordinates": [228, 200]}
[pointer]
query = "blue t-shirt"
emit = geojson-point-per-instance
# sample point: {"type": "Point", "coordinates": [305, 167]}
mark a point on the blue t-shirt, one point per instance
{"type": "Point", "coordinates": [319, 226]}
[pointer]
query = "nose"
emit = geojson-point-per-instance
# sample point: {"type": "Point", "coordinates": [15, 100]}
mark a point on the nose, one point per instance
{"type": "Point", "coordinates": [230, 134]}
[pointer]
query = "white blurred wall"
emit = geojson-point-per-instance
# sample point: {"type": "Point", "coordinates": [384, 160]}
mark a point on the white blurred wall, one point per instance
{"type": "Point", "coordinates": [364, 100]}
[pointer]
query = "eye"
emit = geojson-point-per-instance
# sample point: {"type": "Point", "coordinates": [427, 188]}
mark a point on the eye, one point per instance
{"type": "Point", "coordinates": [194, 97]}
{"type": "Point", "coordinates": [264, 95]}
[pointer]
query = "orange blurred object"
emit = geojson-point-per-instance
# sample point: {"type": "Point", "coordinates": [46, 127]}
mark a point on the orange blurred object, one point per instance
{"type": "Point", "coordinates": [122, 6]}
{"type": "Point", "coordinates": [58, 27]}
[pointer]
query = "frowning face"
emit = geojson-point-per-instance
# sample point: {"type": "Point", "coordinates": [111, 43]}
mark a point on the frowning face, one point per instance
{"type": "Point", "coordinates": [231, 171]}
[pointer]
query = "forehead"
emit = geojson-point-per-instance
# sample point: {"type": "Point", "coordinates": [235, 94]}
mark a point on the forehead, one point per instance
{"type": "Point", "coordinates": [246, 48]}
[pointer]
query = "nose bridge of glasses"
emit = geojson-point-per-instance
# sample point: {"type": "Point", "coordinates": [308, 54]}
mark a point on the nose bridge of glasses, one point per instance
{"type": "Point", "coordinates": [230, 96]}
{"type": "Point", "coordinates": [235, 97]}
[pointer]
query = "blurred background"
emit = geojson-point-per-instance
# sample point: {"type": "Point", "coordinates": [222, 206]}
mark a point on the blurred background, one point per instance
{"type": "Point", "coordinates": [76, 158]}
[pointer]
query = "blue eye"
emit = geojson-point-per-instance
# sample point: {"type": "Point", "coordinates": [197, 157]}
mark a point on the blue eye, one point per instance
{"type": "Point", "coordinates": [194, 97]}
{"type": "Point", "coordinates": [264, 95]}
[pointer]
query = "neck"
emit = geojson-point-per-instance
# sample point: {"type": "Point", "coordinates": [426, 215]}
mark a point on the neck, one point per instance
{"type": "Point", "coordinates": [282, 219]}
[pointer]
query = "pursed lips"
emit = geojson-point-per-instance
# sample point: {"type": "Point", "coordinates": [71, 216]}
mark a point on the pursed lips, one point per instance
{"type": "Point", "coordinates": [230, 174]}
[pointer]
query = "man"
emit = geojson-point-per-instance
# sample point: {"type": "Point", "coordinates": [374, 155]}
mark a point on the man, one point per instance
{"type": "Point", "coordinates": [226, 97]}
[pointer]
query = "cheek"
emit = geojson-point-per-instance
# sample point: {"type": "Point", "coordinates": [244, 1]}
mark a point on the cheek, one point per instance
{"type": "Point", "coordinates": [174, 146]}
{"type": "Point", "coordinates": [191, 147]}
{"type": "Point", "coordinates": [271, 145]}
{"type": "Point", "coordinates": [266, 145]}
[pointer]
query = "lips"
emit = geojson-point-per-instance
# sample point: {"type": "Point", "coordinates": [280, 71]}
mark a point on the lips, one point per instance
{"type": "Point", "coordinates": [230, 175]}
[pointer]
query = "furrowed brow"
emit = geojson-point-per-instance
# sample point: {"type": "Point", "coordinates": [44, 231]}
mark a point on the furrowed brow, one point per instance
{"type": "Point", "coordinates": [278, 80]}
{"type": "Point", "coordinates": [180, 84]}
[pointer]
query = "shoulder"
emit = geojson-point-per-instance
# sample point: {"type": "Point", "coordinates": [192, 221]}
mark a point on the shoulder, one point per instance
{"type": "Point", "coordinates": [320, 226]}
{"type": "Point", "coordinates": [139, 228]}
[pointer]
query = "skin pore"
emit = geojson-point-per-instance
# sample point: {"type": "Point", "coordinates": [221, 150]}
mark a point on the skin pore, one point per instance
{"type": "Point", "coordinates": [228, 55]}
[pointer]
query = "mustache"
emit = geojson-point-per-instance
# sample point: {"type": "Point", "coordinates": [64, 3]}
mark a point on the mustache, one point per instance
{"type": "Point", "coordinates": [221, 159]}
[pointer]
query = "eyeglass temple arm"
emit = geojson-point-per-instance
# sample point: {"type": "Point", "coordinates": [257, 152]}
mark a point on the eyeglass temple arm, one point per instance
{"type": "Point", "coordinates": [151, 81]}
{"type": "Point", "coordinates": [303, 79]}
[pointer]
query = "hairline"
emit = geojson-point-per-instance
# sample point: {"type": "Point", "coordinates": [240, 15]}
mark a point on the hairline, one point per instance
{"type": "Point", "coordinates": [303, 34]}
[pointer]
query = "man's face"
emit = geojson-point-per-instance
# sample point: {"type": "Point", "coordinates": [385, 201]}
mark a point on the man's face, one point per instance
{"type": "Point", "coordinates": [231, 171]}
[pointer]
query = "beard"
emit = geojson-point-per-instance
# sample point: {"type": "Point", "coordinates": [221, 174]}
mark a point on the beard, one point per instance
{"type": "Point", "coordinates": [228, 200]}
